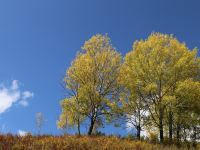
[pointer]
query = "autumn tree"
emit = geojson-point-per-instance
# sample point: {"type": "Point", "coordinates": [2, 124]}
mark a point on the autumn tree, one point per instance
{"type": "Point", "coordinates": [91, 78]}
{"type": "Point", "coordinates": [71, 115]}
{"type": "Point", "coordinates": [156, 65]}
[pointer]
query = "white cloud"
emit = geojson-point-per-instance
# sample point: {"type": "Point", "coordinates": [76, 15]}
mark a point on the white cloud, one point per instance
{"type": "Point", "coordinates": [22, 133]}
{"type": "Point", "coordinates": [11, 95]}
{"type": "Point", "coordinates": [14, 85]}
{"type": "Point", "coordinates": [130, 125]}
{"type": "Point", "coordinates": [23, 103]}
{"type": "Point", "coordinates": [27, 94]}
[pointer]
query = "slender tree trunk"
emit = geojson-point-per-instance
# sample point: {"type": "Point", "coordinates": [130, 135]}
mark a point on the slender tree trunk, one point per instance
{"type": "Point", "coordinates": [161, 113]}
{"type": "Point", "coordinates": [194, 134]}
{"type": "Point", "coordinates": [138, 126]}
{"type": "Point", "coordinates": [79, 131]}
{"type": "Point", "coordinates": [170, 127]}
{"type": "Point", "coordinates": [185, 134]}
{"type": "Point", "coordinates": [178, 128]}
{"type": "Point", "coordinates": [138, 132]}
{"type": "Point", "coordinates": [91, 126]}
{"type": "Point", "coordinates": [161, 125]}
{"type": "Point", "coordinates": [161, 134]}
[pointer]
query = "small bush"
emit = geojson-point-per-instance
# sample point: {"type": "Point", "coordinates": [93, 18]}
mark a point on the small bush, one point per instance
{"type": "Point", "coordinates": [153, 137]}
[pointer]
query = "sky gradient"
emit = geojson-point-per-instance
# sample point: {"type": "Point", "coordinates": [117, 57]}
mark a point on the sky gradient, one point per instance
{"type": "Point", "coordinates": [40, 38]}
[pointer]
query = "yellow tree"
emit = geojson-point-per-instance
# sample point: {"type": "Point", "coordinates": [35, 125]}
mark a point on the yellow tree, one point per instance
{"type": "Point", "coordinates": [71, 111]}
{"type": "Point", "coordinates": [92, 78]}
{"type": "Point", "coordinates": [155, 65]}
{"type": "Point", "coordinates": [71, 115]}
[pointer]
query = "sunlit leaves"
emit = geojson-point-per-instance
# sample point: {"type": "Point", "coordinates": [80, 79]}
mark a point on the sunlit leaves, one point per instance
{"type": "Point", "coordinates": [92, 80]}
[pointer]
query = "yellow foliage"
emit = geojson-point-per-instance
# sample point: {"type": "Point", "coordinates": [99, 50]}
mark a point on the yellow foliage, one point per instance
{"type": "Point", "coordinates": [92, 80]}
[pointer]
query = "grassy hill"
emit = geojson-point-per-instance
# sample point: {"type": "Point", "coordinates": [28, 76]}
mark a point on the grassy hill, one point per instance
{"type": "Point", "coordinates": [68, 142]}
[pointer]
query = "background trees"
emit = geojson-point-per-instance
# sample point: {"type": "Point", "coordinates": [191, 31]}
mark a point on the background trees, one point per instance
{"type": "Point", "coordinates": [153, 71]}
{"type": "Point", "coordinates": [156, 86]}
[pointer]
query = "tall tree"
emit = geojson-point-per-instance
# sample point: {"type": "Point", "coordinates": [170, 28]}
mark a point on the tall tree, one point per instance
{"type": "Point", "coordinates": [94, 71]}
{"type": "Point", "coordinates": [156, 65]}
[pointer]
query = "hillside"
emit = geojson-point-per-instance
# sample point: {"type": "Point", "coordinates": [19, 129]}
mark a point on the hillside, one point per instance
{"type": "Point", "coordinates": [67, 142]}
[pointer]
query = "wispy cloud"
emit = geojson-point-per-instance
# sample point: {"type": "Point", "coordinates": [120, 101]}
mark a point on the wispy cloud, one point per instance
{"type": "Point", "coordinates": [23, 103]}
{"type": "Point", "coordinates": [27, 94]}
{"type": "Point", "coordinates": [13, 94]}
{"type": "Point", "coordinates": [22, 133]}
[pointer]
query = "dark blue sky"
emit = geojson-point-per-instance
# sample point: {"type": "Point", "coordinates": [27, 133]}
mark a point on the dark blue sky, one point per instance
{"type": "Point", "coordinates": [40, 38]}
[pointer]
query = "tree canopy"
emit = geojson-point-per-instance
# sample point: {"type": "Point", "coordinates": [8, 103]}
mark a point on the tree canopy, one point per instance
{"type": "Point", "coordinates": [92, 81]}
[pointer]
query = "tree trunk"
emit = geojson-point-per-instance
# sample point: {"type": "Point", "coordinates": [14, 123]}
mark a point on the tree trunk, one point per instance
{"type": "Point", "coordinates": [170, 127]}
{"type": "Point", "coordinates": [138, 132]}
{"type": "Point", "coordinates": [138, 126]}
{"type": "Point", "coordinates": [185, 134]}
{"type": "Point", "coordinates": [161, 134]}
{"type": "Point", "coordinates": [194, 134]}
{"type": "Point", "coordinates": [178, 128]}
{"type": "Point", "coordinates": [161, 113]}
{"type": "Point", "coordinates": [79, 131]}
{"type": "Point", "coordinates": [161, 125]}
{"type": "Point", "coordinates": [91, 126]}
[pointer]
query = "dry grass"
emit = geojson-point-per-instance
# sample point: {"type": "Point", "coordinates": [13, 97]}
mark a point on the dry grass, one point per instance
{"type": "Point", "coordinates": [67, 142]}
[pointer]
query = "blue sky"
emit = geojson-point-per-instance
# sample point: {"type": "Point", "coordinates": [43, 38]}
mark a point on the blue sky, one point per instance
{"type": "Point", "coordinates": [40, 38]}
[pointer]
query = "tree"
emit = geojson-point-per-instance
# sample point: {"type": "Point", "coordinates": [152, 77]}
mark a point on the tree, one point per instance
{"type": "Point", "coordinates": [156, 65]}
{"type": "Point", "coordinates": [70, 115]}
{"type": "Point", "coordinates": [71, 111]}
{"type": "Point", "coordinates": [39, 121]}
{"type": "Point", "coordinates": [94, 74]}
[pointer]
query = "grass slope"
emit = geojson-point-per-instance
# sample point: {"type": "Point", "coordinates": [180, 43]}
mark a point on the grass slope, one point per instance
{"type": "Point", "coordinates": [67, 142]}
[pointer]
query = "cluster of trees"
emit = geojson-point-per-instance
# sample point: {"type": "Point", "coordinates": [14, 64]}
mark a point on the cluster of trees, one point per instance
{"type": "Point", "coordinates": [155, 87]}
